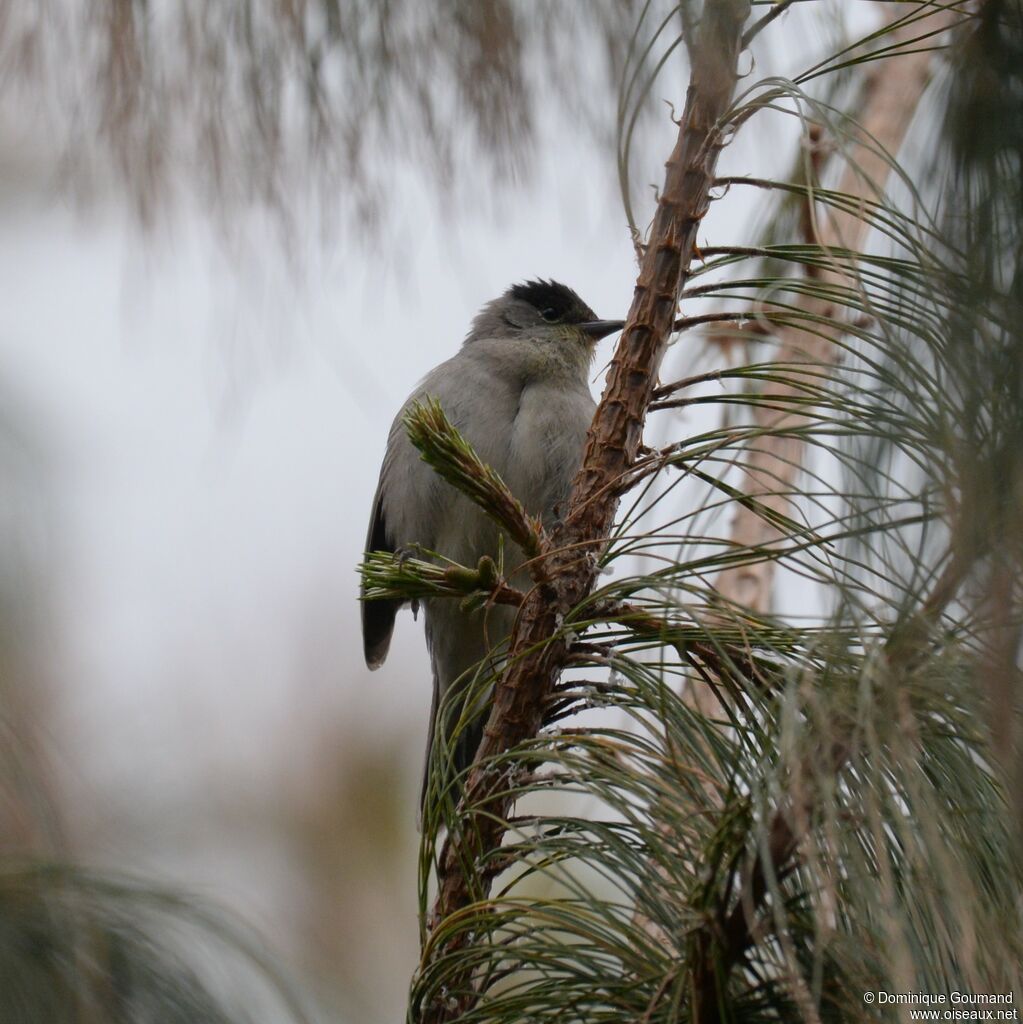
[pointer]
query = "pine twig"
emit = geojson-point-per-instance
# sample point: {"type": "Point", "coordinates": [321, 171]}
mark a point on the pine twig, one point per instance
{"type": "Point", "coordinates": [451, 455]}
{"type": "Point", "coordinates": [396, 577]}
{"type": "Point", "coordinates": [720, 945]}
{"type": "Point", "coordinates": [757, 27]}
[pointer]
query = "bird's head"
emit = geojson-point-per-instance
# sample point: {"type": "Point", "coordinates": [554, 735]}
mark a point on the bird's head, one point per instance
{"type": "Point", "coordinates": [541, 311]}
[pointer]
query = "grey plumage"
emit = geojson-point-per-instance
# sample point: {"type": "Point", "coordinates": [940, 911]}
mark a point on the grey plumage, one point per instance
{"type": "Point", "coordinates": [517, 390]}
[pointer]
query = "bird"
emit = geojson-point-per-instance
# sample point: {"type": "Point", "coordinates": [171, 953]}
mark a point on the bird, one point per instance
{"type": "Point", "coordinates": [518, 391]}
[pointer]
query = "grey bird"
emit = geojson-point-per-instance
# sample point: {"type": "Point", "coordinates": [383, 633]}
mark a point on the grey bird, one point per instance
{"type": "Point", "coordinates": [517, 391]}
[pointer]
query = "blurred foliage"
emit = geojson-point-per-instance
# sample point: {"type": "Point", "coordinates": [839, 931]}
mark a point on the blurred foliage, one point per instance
{"type": "Point", "coordinates": [982, 218]}
{"type": "Point", "coordinates": [334, 99]}
{"type": "Point", "coordinates": [79, 947]}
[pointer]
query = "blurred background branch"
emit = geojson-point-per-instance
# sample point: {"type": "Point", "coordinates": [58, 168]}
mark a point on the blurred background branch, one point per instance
{"type": "Point", "coordinates": [315, 102]}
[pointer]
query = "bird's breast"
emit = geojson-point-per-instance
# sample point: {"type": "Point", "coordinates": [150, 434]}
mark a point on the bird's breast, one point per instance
{"type": "Point", "coordinates": [546, 445]}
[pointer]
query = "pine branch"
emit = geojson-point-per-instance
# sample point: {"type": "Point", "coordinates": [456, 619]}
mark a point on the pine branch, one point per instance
{"type": "Point", "coordinates": [720, 945]}
{"type": "Point", "coordinates": [396, 577]}
{"type": "Point", "coordinates": [776, 450]}
{"type": "Point", "coordinates": [718, 643]}
{"type": "Point", "coordinates": [451, 455]}
{"type": "Point", "coordinates": [539, 648]}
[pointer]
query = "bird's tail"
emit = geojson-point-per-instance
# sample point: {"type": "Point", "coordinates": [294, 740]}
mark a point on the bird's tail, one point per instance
{"type": "Point", "coordinates": [455, 732]}
{"type": "Point", "coordinates": [463, 667]}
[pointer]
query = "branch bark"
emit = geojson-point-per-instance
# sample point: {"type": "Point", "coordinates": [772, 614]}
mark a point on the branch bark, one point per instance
{"type": "Point", "coordinates": [538, 649]}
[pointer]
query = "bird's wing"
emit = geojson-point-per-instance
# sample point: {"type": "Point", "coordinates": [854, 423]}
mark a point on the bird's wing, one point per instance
{"type": "Point", "coordinates": [395, 523]}
{"type": "Point", "coordinates": [377, 616]}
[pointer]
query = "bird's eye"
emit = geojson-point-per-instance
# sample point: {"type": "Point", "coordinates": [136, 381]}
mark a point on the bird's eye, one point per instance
{"type": "Point", "coordinates": [550, 315]}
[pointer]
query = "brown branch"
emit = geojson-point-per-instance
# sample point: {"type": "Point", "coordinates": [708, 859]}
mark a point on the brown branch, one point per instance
{"type": "Point", "coordinates": [539, 649]}
{"type": "Point", "coordinates": [758, 26]}
{"type": "Point", "coordinates": [720, 946]}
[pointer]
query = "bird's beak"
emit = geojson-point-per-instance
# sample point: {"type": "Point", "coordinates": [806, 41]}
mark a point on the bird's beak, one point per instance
{"type": "Point", "coordinates": [598, 329]}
